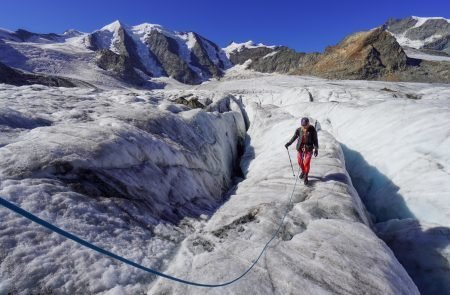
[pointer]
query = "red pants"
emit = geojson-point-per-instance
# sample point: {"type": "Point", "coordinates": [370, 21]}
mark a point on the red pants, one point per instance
{"type": "Point", "coordinates": [304, 160]}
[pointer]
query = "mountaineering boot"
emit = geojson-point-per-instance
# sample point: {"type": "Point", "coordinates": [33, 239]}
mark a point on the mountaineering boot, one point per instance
{"type": "Point", "coordinates": [306, 179]}
{"type": "Point", "coordinates": [302, 175]}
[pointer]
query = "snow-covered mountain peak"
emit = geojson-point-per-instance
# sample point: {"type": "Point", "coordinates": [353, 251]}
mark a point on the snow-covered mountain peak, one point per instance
{"type": "Point", "coordinates": [112, 27]}
{"type": "Point", "coordinates": [421, 20]}
{"type": "Point", "coordinates": [236, 47]}
{"type": "Point", "coordinates": [72, 33]}
{"type": "Point", "coordinates": [428, 33]}
{"type": "Point", "coordinates": [157, 51]}
{"type": "Point", "coordinates": [2, 30]}
{"type": "Point", "coordinates": [147, 28]}
{"type": "Point", "coordinates": [109, 37]}
{"type": "Point", "coordinates": [6, 34]}
{"type": "Point", "coordinates": [152, 174]}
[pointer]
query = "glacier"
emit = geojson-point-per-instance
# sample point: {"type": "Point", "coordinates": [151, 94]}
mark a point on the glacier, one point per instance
{"type": "Point", "coordinates": [196, 193]}
{"type": "Point", "coordinates": [375, 123]}
{"type": "Point", "coordinates": [111, 164]}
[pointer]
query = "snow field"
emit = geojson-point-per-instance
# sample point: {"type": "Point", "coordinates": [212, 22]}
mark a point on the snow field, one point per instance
{"type": "Point", "coordinates": [325, 235]}
{"type": "Point", "coordinates": [64, 150]}
{"type": "Point", "coordinates": [396, 149]}
{"type": "Point", "coordinates": [113, 168]}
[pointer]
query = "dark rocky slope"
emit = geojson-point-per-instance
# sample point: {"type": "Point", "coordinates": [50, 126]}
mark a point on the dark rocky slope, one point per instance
{"type": "Point", "coordinates": [433, 33]}
{"type": "Point", "coordinates": [371, 55]}
{"type": "Point", "coordinates": [12, 76]}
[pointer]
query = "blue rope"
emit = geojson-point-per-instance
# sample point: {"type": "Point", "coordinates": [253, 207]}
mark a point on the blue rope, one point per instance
{"type": "Point", "coordinates": [85, 243]}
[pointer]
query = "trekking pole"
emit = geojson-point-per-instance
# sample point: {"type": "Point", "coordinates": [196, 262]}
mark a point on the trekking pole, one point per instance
{"type": "Point", "coordinates": [289, 155]}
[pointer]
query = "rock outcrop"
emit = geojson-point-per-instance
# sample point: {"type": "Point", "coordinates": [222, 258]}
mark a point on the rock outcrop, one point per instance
{"type": "Point", "coordinates": [370, 55]}
{"type": "Point", "coordinates": [412, 50]}
{"type": "Point", "coordinates": [132, 54]}
{"type": "Point", "coordinates": [12, 76]}
{"type": "Point", "coordinates": [120, 65]}
{"type": "Point", "coordinates": [155, 51]}
{"type": "Point", "coordinates": [364, 55]}
{"type": "Point", "coordinates": [167, 52]}
{"type": "Point", "coordinates": [422, 33]}
{"type": "Point", "coordinates": [123, 46]}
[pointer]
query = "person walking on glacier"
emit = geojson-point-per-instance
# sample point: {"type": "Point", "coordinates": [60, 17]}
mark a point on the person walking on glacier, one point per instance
{"type": "Point", "coordinates": [306, 143]}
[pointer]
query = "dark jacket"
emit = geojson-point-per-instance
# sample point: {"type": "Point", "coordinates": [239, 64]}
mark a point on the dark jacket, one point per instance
{"type": "Point", "coordinates": [311, 141]}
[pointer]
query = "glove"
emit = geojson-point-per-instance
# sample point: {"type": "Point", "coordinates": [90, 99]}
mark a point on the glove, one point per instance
{"type": "Point", "coordinates": [286, 145]}
{"type": "Point", "coordinates": [316, 152]}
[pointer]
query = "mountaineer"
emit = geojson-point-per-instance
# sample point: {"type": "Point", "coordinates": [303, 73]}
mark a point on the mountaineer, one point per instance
{"type": "Point", "coordinates": [307, 143]}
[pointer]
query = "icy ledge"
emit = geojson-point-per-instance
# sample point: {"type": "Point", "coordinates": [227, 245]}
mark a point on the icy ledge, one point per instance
{"type": "Point", "coordinates": [130, 172]}
{"type": "Point", "coordinates": [397, 173]}
{"type": "Point", "coordinates": [326, 245]}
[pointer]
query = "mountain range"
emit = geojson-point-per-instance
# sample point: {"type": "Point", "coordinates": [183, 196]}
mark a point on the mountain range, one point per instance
{"type": "Point", "coordinates": [431, 35]}
{"type": "Point", "coordinates": [194, 180]}
{"type": "Point", "coordinates": [410, 49]}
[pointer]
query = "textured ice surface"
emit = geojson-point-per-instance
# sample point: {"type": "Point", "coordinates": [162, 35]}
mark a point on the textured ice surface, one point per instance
{"type": "Point", "coordinates": [143, 177]}
{"type": "Point", "coordinates": [396, 142]}
{"type": "Point", "coordinates": [113, 168]}
{"type": "Point", "coordinates": [325, 246]}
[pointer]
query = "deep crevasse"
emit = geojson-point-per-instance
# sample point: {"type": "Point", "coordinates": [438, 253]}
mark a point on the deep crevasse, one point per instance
{"type": "Point", "coordinates": [396, 143]}
{"type": "Point", "coordinates": [126, 171]}
{"type": "Point", "coordinates": [326, 245]}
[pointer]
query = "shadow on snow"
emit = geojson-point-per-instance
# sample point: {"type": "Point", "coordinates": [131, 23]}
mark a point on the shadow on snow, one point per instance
{"type": "Point", "coordinates": [418, 250]}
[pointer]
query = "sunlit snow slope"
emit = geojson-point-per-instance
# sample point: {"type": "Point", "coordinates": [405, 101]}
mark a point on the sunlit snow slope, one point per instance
{"type": "Point", "coordinates": [155, 181]}
{"type": "Point", "coordinates": [396, 142]}
{"type": "Point", "coordinates": [124, 170]}
{"type": "Point", "coordinates": [325, 246]}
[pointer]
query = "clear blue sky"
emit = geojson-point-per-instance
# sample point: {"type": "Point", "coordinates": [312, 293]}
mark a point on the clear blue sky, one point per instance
{"type": "Point", "coordinates": [305, 25]}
